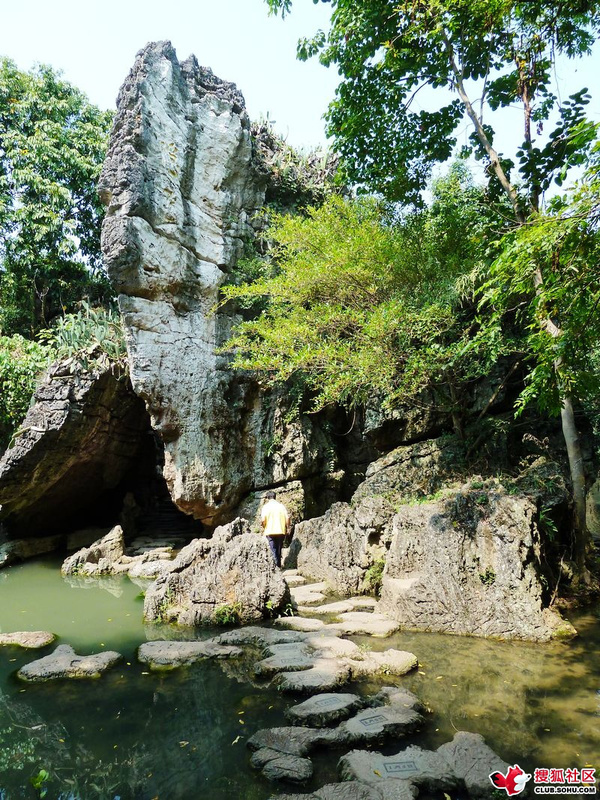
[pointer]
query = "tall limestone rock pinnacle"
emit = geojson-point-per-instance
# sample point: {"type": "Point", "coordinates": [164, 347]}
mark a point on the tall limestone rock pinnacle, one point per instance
{"type": "Point", "coordinates": [180, 188]}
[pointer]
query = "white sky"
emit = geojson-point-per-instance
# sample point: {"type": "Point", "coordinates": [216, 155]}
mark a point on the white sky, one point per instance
{"type": "Point", "coordinates": [94, 43]}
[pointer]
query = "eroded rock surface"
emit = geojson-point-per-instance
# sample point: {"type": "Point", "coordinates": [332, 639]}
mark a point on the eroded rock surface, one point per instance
{"type": "Point", "coordinates": [233, 569]}
{"type": "Point", "coordinates": [182, 185]}
{"type": "Point", "coordinates": [160, 655]}
{"type": "Point", "coordinates": [465, 763]}
{"type": "Point", "coordinates": [65, 663]}
{"type": "Point", "coordinates": [81, 437]}
{"type": "Point", "coordinates": [469, 564]}
{"type": "Point", "coordinates": [110, 556]}
{"type": "Point", "coordinates": [394, 715]}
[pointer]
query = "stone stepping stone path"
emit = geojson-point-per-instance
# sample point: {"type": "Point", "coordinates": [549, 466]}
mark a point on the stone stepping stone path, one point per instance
{"type": "Point", "coordinates": [308, 593]}
{"type": "Point", "coordinates": [324, 709]}
{"type": "Point", "coordinates": [65, 663]}
{"type": "Point", "coordinates": [31, 640]}
{"type": "Point", "coordinates": [464, 764]}
{"type": "Point", "coordinates": [349, 623]}
{"type": "Point", "coordinates": [399, 717]}
{"type": "Point", "coordinates": [328, 608]}
{"type": "Point", "coordinates": [293, 578]}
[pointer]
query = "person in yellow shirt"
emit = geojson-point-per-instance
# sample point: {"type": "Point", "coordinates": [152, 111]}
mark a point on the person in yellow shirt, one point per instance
{"type": "Point", "coordinates": [275, 522]}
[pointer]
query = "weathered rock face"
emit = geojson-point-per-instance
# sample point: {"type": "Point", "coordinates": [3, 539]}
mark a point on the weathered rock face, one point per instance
{"type": "Point", "coordinates": [234, 568]}
{"type": "Point", "coordinates": [109, 556]}
{"type": "Point", "coordinates": [81, 437]}
{"type": "Point", "coordinates": [339, 546]}
{"type": "Point", "coordinates": [181, 186]}
{"type": "Point", "coordinates": [469, 564]}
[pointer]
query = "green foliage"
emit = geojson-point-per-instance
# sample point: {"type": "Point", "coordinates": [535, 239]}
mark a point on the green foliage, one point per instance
{"type": "Point", "coordinates": [228, 614]}
{"type": "Point", "coordinates": [21, 362]}
{"type": "Point", "coordinates": [296, 179]}
{"type": "Point", "coordinates": [52, 145]}
{"type": "Point", "coordinates": [88, 337]}
{"type": "Point", "coordinates": [39, 782]}
{"type": "Point", "coordinates": [361, 303]}
{"type": "Point", "coordinates": [386, 51]}
{"type": "Point", "coordinates": [488, 578]}
{"type": "Point", "coordinates": [374, 577]}
{"type": "Point", "coordinates": [558, 319]}
{"type": "Point", "coordinates": [547, 524]}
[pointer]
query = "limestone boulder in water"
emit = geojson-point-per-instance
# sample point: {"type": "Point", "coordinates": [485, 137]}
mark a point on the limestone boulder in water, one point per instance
{"type": "Point", "coordinates": [65, 663]}
{"type": "Point", "coordinates": [31, 640]}
{"type": "Point", "coordinates": [233, 572]}
{"type": "Point", "coordinates": [469, 564]}
{"type": "Point", "coordinates": [98, 559]}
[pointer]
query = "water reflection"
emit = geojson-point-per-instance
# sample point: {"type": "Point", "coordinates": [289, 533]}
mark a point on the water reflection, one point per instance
{"type": "Point", "coordinates": [182, 734]}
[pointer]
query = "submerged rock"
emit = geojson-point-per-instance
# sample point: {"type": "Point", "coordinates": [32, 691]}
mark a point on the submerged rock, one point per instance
{"type": "Point", "coordinates": [232, 573]}
{"type": "Point", "coordinates": [276, 766]}
{"type": "Point", "coordinates": [65, 663]}
{"type": "Point", "coordinates": [31, 640]}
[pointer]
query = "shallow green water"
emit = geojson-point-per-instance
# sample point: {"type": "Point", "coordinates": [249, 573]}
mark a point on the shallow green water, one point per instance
{"type": "Point", "coordinates": [181, 735]}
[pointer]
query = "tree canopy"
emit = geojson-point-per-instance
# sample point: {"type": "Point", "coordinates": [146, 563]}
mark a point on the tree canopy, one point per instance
{"type": "Point", "coordinates": [52, 145]}
{"type": "Point", "coordinates": [358, 303]}
{"type": "Point", "coordinates": [387, 51]}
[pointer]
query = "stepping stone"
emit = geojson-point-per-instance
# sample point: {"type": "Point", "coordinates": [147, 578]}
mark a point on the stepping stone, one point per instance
{"type": "Point", "coordinates": [296, 741]}
{"type": "Point", "coordinates": [300, 623]}
{"type": "Point", "coordinates": [422, 768]}
{"type": "Point", "coordinates": [390, 695]}
{"type": "Point", "coordinates": [325, 674]}
{"type": "Point", "coordinates": [170, 655]}
{"type": "Point", "coordinates": [32, 640]}
{"type": "Point", "coordinates": [294, 580]}
{"type": "Point", "coordinates": [65, 663]}
{"type": "Point", "coordinates": [310, 593]}
{"type": "Point", "coordinates": [364, 622]}
{"type": "Point", "coordinates": [262, 637]}
{"type": "Point", "coordinates": [284, 658]}
{"type": "Point", "coordinates": [324, 709]}
{"type": "Point", "coordinates": [329, 646]}
{"type": "Point", "coordinates": [375, 725]}
{"type": "Point", "coordinates": [328, 608]}
{"type": "Point", "coordinates": [277, 766]}
{"type": "Point", "coordinates": [362, 602]}
{"type": "Point", "coordinates": [390, 662]}
{"type": "Point", "coordinates": [473, 762]}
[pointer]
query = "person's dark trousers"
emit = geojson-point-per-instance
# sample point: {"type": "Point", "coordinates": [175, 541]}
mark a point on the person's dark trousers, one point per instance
{"type": "Point", "coordinates": [276, 544]}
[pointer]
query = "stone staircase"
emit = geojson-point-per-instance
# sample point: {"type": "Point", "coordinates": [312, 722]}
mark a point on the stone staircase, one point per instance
{"type": "Point", "coordinates": [353, 615]}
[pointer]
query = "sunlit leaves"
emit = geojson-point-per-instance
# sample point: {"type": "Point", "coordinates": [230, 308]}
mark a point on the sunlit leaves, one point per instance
{"type": "Point", "coordinates": [52, 144]}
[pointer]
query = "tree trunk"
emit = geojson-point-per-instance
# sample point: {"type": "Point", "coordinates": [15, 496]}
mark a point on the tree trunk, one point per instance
{"type": "Point", "coordinates": [581, 537]}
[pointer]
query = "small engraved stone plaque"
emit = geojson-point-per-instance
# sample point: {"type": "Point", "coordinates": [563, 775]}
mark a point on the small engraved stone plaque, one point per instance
{"type": "Point", "coordinates": [400, 766]}
{"type": "Point", "coordinates": [369, 722]}
{"type": "Point", "coordinates": [326, 701]}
